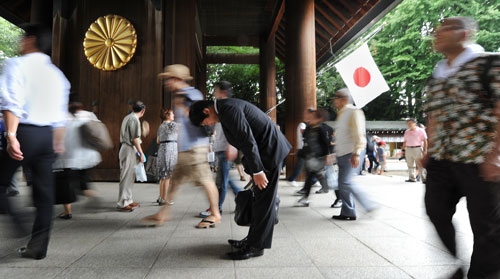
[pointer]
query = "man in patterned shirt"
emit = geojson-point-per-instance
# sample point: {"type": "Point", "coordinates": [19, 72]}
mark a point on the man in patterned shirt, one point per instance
{"type": "Point", "coordinates": [463, 159]}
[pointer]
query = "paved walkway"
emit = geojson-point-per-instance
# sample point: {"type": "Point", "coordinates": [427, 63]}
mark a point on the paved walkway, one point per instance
{"type": "Point", "coordinates": [397, 241]}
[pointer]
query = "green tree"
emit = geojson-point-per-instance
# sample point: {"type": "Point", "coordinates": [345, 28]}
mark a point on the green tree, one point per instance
{"type": "Point", "coordinates": [9, 36]}
{"type": "Point", "coordinates": [326, 84]}
{"type": "Point", "coordinates": [245, 78]}
{"type": "Point", "coordinates": [403, 50]}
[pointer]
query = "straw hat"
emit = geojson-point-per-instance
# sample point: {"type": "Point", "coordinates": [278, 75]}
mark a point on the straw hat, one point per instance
{"type": "Point", "coordinates": [176, 71]}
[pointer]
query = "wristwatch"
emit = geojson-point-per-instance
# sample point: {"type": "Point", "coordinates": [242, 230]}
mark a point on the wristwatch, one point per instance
{"type": "Point", "coordinates": [10, 134]}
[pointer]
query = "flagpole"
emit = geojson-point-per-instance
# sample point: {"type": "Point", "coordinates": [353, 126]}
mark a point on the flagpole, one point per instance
{"type": "Point", "coordinates": [349, 50]}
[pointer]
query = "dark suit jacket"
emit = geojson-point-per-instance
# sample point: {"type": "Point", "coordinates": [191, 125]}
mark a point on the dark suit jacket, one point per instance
{"type": "Point", "coordinates": [250, 130]}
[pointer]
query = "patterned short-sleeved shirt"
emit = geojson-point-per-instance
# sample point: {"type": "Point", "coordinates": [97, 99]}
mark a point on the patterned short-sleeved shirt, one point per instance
{"type": "Point", "coordinates": [462, 112]}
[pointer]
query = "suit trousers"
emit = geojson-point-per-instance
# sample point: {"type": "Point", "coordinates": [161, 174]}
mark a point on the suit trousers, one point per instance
{"type": "Point", "coordinates": [446, 183]}
{"type": "Point", "coordinates": [128, 162]}
{"type": "Point", "coordinates": [37, 147]}
{"type": "Point", "coordinates": [264, 213]}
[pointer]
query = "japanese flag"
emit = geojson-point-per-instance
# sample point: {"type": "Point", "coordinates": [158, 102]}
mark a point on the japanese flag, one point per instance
{"type": "Point", "coordinates": [362, 76]}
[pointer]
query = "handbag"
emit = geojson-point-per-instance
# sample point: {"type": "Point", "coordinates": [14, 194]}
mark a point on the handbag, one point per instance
{"type": "Point", "coordinates": [140, 173]}
{"type": "Point", "coordinates": [96, 135]}
{"type": "Point", "coordinates": [243, 210]}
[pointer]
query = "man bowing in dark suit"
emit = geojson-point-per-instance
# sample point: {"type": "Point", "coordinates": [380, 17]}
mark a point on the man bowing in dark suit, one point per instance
{"type": "Point", "coordinates": [264, 148]}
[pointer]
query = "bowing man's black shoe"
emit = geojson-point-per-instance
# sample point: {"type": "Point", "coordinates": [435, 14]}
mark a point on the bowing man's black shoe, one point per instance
{"type": "Point", "coordinates": [343, 217]}
{"type": "Point", "coordinates": [28, 253]}
{"type": "Point", "coordinates": [238, 244]}
{"type": "Point", "coordinates": [245, 253]}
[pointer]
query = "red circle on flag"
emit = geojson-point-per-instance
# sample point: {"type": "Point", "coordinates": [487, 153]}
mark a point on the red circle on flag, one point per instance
{"type": "Point", "coordinates": [361, 77]}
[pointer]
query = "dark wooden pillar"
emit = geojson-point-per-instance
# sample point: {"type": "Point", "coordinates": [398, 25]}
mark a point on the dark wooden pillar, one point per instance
{"type": "Point", "coordinates": [300, 68]}
{"type": "Point", "coordinates": [184, 29]}
{"type": "Point", "coordinates": [41, 12]}
{"type": "Point", "coordinates": [268, 74]}
{"type": "Point", "coordinates": [179, 40]}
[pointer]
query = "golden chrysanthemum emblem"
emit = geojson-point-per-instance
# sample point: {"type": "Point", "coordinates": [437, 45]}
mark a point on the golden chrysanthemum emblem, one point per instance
{"type": "Point", "coordinates": [110, 42]}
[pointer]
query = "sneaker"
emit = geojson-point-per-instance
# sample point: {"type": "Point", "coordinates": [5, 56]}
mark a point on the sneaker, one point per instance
{"type": "Point", "coordinates": [302, 202]}
{"type": "Point", "coordinates": [293, 183]}
{"type": "Point", "coordinates": [205, 214]}
{"type": "Point", "coordinates": [409, 180]}
{"type": "Point", "coordinates": [337, 203]}
{"type": "Point", "coordinates": [300, 192]}
{"type": "Point", "coordinates": [170, 202]}
{"type": "Point", "coordinates": [322, 191]}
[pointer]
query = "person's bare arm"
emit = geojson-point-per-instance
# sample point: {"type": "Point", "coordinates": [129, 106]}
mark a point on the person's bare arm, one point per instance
{"type": "Point", "coordinates": [137, 144]}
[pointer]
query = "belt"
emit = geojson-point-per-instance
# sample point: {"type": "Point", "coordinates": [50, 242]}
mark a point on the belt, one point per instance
{"type": "Point", "coordinates": [413, 146]}
{"type": "Point", "coordinates": [165, 141]}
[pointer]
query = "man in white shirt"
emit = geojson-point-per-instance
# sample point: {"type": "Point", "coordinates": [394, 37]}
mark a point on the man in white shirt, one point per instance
{"type": "Point", "coordinates": [350, 141]}
{"type": "Point", "coordinates": [34, 101]}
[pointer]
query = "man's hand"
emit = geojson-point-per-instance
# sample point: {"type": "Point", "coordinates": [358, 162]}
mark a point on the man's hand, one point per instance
{"type": "Point", "coordinates": [424, 160]}
{"type": "Point", "coordinates": [260, 180]}
{"type": "Point", "coordinates": [354, 160]}
{"type": "Point", "coordinates": [490, 169]}
{"type": "Point", "coordinates": [14, 149]}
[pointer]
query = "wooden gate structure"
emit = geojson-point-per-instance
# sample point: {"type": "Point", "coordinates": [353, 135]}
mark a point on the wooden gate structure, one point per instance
{"type": "Point", "coordinates": [304, 34]}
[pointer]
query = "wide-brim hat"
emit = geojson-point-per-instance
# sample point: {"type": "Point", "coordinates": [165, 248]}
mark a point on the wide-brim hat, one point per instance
{"type": "Point", "coordinates": [176, 71]}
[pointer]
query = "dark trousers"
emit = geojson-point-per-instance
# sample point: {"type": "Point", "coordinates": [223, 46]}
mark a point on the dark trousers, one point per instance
{"type": "Point", "coordinates": [446, 183]}
{"type": "Point", "coordinates": [297, 169]}
{"type": "Point", "coordinates": [37, 147]}
{"type": "Point", "coordinates": [260, 233]}
{"type": "Point", "coordinates": [373, 161]}
{"type": "Point", "coordinates": [313, 175]}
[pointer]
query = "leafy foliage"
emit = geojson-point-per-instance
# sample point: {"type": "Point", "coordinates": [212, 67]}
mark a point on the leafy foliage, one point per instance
{"type": "Point", "coordinates": [9, 36]}
{"type": "Point", "coordinates": [404, 55]}
{"type": "Point", "coordinates": [245, 78]}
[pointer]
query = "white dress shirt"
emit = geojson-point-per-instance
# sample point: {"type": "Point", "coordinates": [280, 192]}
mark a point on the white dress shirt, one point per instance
{"type": "Point", "coordinates": [35, 90]}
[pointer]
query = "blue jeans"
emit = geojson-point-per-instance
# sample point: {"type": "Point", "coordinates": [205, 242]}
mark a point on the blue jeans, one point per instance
{"type": "Point", "coordinates": [331, 177]}
{"type": "Point", "coordinates": [297, 169]}
{"type": "Point", "coordinates": [348, 190]}
{"type": "Point", "coordinates": [222, 178]}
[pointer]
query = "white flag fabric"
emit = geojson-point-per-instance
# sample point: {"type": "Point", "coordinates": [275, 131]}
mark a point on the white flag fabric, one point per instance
{"type": "Point", "coordinates": [362, 76]}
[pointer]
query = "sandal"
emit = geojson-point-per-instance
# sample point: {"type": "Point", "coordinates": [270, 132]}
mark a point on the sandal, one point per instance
{"type": "Point", "coordinates": [205, 224]}
{"type": "Point", "coordinates": [65, 216]}
{"type": "Point", "coordinates": [151, 221]}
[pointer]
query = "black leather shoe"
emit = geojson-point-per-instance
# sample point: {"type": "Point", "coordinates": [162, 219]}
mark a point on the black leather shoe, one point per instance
{"type": "Point", "coordinates": [65, 216]}
{"type": "Point", "coordinates": [343, 217]}
{"type": "Point", "coordinates": [459, 274]}
{"type": "Point", "coordinates": [238, 244]}
{"type": "Point", "coordinates": [27, 253]}
{"type": "Point", "coordinates": [246, 253]}
{"type": "Point", "coordinates": [12, 193]}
